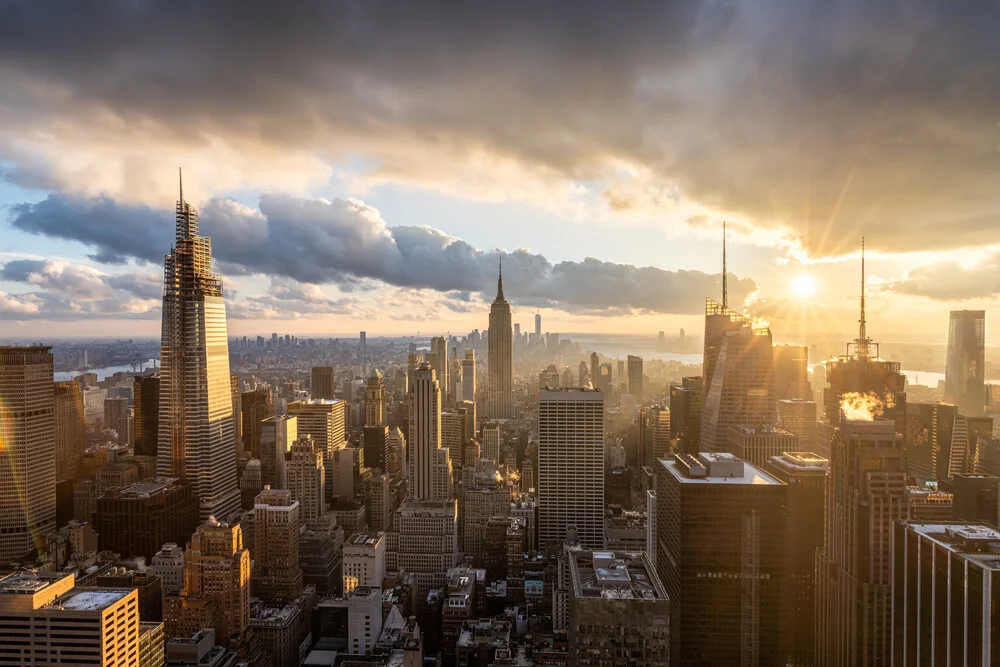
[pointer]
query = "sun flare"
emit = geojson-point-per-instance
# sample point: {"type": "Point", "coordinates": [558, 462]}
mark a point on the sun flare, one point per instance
{"type": "Point", "coordinates": [803, 285]}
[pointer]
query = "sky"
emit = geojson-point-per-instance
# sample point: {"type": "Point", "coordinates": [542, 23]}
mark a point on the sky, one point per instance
{"type": "Point", "coordinates": [364, 165]}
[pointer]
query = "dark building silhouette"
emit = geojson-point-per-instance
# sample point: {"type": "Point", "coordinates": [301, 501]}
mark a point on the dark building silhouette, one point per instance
{"type": "Point", "coordinates": [375, 442]}
{"type": "Point", "coordinates": [685, 414]}
{"type": "Point", "coordinates": [146, 402]}
{"type": "Point", "coordinates": [975, 498]}
{"type": "Point", "coordinates": [635, 388]}
{"type": "Point", "coordinates": [256, 406]}
{"type": "Point", "coordinates": [137, 520]}
{"type": "Point", "coordinates": [964, 383]}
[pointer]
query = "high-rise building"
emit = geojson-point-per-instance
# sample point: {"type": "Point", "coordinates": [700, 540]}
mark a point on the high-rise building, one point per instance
{"type": "Point", "coordinates": [118, 417]}
{"type": "Point", "coordinates": [944, 601]}
{"type": "Point", "coordinates": [862, 371]}
{"type": "Point", "coordinates": [721, 556]}
{"type": "Point", "coordinates": [654, 435]}
{"type": "Point", "coordinates": [146, 407]}
{"type": "Point", "coordinates": [866, 494]}
{"type": "Point", "coordinates": [168, 565]}
{"type": "Point", "coordinates": [805, 474]}
{"type": "Point", "coordinates": [364, 561]}
{"type": "Point", "coordinates": [322, 384]}
{"type": "Point", "coordinates": [375, 399]}
{"type": "Point", "coordinates": [468, 377]}
{"type": "Point", "coordinates": [136, 520]}
{"type": "Point", "coordinates": [634, 365]}
{"type": "Point", "coordinates": [500, 388]}
{"type": "Point", "coordinates": [429, 464]}
{"type": "Point", "coordinates": [571, 465]}
{"type": "Point", "coordinates": [196, 410]}
{"type": "Point", "coordinates": [975, 498]}
{"type": "Point", "coordinates": [685, 414]}
{"type": "Point", "coordinates": [538, 326]}
{"type": "Point", "coordinates": [28, 463]}
{"type": "Point", "coordinates": [277, 578]}
{"type": "Point", "coordinates": [45, 620]}
{"type": "Point", "coordinates": [490, 442]}
{"type": "Point", "coordinates": [69, 423]}
{"type": "Point", "coordinates": [438, 359]}
{"type": "Point", "coordinates": [236, 396]}
{"type": "Point", "coordinates": [305, 478]}
{"type": "Point", "coordinates": [619, 613]}
{"type": "Point", "coordinates": [798, 416]}
{"type": "Point", "coordinates": [276, 437]}
{"type": "Point", "coordinates": [595, 371]}
{"type": "Point", "coordinates": [423, 541]}
{"type": "Point", "coordinates": [216, 591]}
{"type": "Point", "coordinates": [375, 441]}
{"type": "Point", "coordinates": [255, 407]}
{"type": "Point", "coordinates": [739, 375]}
{"type": "Point", "coordinates": [757, 445]}
{"type": "Point", "coordinates": [381, 498]}
{"type": "Point", "coordinates": [964, 381]}
{"type": "Point", "coordinates": [323, 419]}
{"type": "Point", "coordinates": [791, 372]}
{"type": "Point", "coordinates": [363, 351]}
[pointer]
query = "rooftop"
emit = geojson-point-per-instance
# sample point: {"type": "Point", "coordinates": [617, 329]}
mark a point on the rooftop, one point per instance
{"type": "Point", "coordinates": [763, 430]}
{"type": "Point", "coordinates": [801, 462]}
{"type": "Point", "coordinates": [615, 575]}
{"type": "Point", "coordinates": [148, 487]}
{"type": "Point", "coordinates": [21, 583]}
{"type": "Point", "coordinates": [716, 468]}
{"type": "Point", "coordinates": [364, 539]}
{"type": "Point", "coordinates": [978, 542]}
{"type": "Point", "coordinates": [574, 393]}
{"type": "Point", "coordinates": [83, 599]}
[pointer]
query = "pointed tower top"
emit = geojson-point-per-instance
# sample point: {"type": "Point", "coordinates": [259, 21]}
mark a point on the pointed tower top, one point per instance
{"type": "Point", "coordinates": [500, 281]}
{"type": "Point", "coordinates": [187, 216]}
{"type": "Point", "coordinates": [725, 279]}
{"type": "Point", "coordinates": [180, 181]}
{"type": "Point", "coordinates": [863, 344]}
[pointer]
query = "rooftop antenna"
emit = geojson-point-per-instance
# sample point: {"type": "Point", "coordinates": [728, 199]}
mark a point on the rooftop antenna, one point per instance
{"type": "Point", "coordinates": [180, 180]}
{"type": "Point", "coordinates": [863, 344]}
{"type": "Point", "coordinates": [725, 280]}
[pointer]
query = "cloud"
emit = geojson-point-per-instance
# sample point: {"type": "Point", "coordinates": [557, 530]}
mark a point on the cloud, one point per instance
{"type": "Point", "coordinates": [346, 242]}
{"type": "Point", "coordinates": [950, 280]}
{"type": "Point", "coordinates": [67, 291]}
{"type": "Point", "coordinates": [810, 120]}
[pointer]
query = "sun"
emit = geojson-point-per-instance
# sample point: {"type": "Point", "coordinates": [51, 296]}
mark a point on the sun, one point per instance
{"type": "Point", "coordinates": [803, 285]}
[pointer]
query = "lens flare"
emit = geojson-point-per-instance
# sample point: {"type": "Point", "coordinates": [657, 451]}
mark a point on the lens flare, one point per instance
{"type": "Point", "coordinates": [803, 285]}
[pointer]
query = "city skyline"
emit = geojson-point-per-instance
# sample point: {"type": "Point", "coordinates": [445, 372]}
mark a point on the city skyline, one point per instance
{"type": "Point", "coordinates": [326, 225]}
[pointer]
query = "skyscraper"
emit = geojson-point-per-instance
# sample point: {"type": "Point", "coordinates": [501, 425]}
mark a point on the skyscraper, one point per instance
{"type": "Point", "coordinates": [276, 437]}
{"type": "Point", "coordinates": [791, 372]}
{"type": "Point", "coordinates": [571, 465]}
{"type": "Point", "coordinates": [468, 377]}
{"type": "Point", "coordinates": [196, 409]}
{"type": "Point", "coordinates": [866, 495]}
{"type": "Point", "coordinates": [277, 577]}
{"type": "Point", "coordinates": [438, 358]}
{"type": "Point", "coordinates": [685, 414]}
{"type": "Point", "coordinates": [595, 371]}
{"type": "Point", "coordinates": [28, 462]}
{"type": "Point", "coordinates": [375, 399]}
{"type": "Point", "coordinates": [500, 389]}
{"type": "Point", "coordinates": [322, 384]}
{"type": "Point", "coordinates": [325, 420]}
{"type": "Point", "coordinates": [429, 465]}
{"type": "Point", "coordinates": [255, 406]}
{"type": "Point", "coordinates": [538, 326]}
{"type": "Point", "coordinates": [363, 351]}
{"type": "Point", "coordinates": [146, 406]}
{"type": "Point", "coordinates": [721, 557]}
{"type": "Point", "coordinates": [69, 429]}
{"type": "Point", "coordinates": [862, 371]}
{"type": "Point", "coordinates": [305, 477]}
{"type": "Point", "coordinates": [964, 383]}
{"type": "Point", "coordinates": [634, 364]}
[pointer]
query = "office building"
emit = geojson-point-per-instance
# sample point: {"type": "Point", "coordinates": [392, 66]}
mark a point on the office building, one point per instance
{"type": "Point", "coordinates": [429, 465]}
{"type": "Point", "coordinates": [469, 386]}
{"type": "Point", "coordinates": [483, 500]}
{"type": "Point", "coordinates": [168, 565]}
{"type": "Point", "coordinates": [46, 620]}
{"type": "Point", "coordinates": [853, 567]}
{"type": "Point", "coordinates": [927, 504]}
{"type": "Point", "coordinates": [500, 371]}
{"type": "Point", "coordinates": [279, 631]}
{"type": "Point", "coordinates": [791, 372]}
{"type": "Point", "coordinates": [255, 407]}
{"type": "Point", "coordinates": [146, 417]}
{"type": "Point", "coordinates": [305, 477]}
{"type": "Point", "coordinates": [975, 498]}
{"type": "Point", "coordinates": [276, 437]}
{"type": "Point", "coordinates": [118, 418]}
{"type": "Point", "coordinates": [146, 583]}
{"type": "Point", "coordinates": [721, 556]}
{"type": "Point", "coordinates": [323, 383]}
{"type": "Point", "coordinates": [799, 417]}
{"type": "Point", "coordinates": [654, 435]}
{"type": "Point", "coordinates": [69, 423]}
{"type": "Point", "coordinates": [216, 591]}
{"type": "Point", "coordinates": [363, 351]}
{"type": "Point", "coordinates": [326, 421]}
{"type": "Point", "coordinates": [757, 445]}
{"type": "Point", "coordinates": [136, 520]}
{"type": "Point", "coordinates": [375, 442]}
{"type": "Point", "coordinates": [152, 650]}
{"type": "Point", "coordinates": [685, 411]}
{"type": "Point", "coordinates": [945, 594]}
{"type": "Point", "coordinates": [538, 326]}
{"type": "Point", "coordinates": [464, 591]}
{"type": "Point", "coordinates": [380, 501]}
{"type": "Point", "coordinates": [196, 410]}
{"type": "Point", "coordinates": [423, 541]}
{"type": "Point", "coordinates": [438, 359]}
{"type": "Point", "coordinates": [375, 399]}
{"type": "Point", "coordinates": [571, 465]}
{"type": "Point", "coordinates": [364, 561]}
{"type": "Point", "coordinates": [739, 375]}
{"type": "Point", "coordinates": [805, 475]}
{"type": "Point", "coordinates": [965, 367]}
{"type": "Point", "coordinates": [490, 442]}
{"type": "Point", "coordinates": [619, 613]}
{"type": "Point", "coordinates": [634, 365]}
{"type": "Point", "coordinates": [28, 464]}
{"type": "Point", "coordinates": [277, 578]}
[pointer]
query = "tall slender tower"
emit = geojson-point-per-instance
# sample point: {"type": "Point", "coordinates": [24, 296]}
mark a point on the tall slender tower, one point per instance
{"type": "Point", "coordinates": [196, 409]}
{"type": "Point", "coordinates": [500, 395]}
{"type": "Point", "coordinates": [429, 465]}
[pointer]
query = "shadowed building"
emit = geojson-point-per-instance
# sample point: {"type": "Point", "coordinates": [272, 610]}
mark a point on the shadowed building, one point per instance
{"type": "Point", "coordinates": [964, 382]}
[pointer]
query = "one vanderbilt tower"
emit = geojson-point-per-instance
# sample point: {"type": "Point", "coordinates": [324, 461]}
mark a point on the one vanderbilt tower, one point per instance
{"type": "Point", "coordinates": [195, 439]}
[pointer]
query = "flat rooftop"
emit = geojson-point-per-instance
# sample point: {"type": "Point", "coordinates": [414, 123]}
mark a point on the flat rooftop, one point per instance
{"type": "Point", "coordinates": [83, 599]}
{"type": "Point", "coordinates": [743, 472]}
{"type": "Point", "coordinates": [766, 429]}
{"type": "Point", "coordinates": [615, 576]}
{"type": "Point", "coordinates": [148, 487]}
{"type": "Point", "coordinates": [364, 539]}
{"type": "Point", "coordinates": [802, 462]}
{"type": "Point", "coordinates": [570, 393]}
{"type": "Point", "coordinates": [28, 583]}
{"type": "Point", "coordinates": [977, 542]}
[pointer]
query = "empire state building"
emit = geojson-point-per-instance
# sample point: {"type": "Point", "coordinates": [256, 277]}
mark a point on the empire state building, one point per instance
{"type": "Point", "coordinates": [500, 386]}
{"type": "Point", "coordinates": [195, 440]}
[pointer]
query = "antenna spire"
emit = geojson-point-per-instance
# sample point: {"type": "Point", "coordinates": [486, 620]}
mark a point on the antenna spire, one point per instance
{"type": "Point", "coordinates": [863, 344]}
{"type": "Point", "coordinates": [725, 279]}
{"type": "Point", "coordinates": [180, 181]}
{"type": "Point", "coordinates": [500, 281]}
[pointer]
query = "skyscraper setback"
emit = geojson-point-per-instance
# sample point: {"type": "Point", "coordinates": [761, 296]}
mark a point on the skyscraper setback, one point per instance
{"type": "Point", "coordinates": [196, 409]}
{"type": "Point", "coordinates": [500, 394]}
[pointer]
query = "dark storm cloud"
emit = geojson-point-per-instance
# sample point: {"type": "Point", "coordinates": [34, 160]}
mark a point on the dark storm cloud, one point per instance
{"type": "Point", "coordinates": [816, 117]}
{"type": "Point", "coordinates": [345, 241]}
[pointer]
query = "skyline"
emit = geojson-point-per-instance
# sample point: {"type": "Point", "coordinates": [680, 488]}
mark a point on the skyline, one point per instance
{"type": "Point", "coordinates": [372, 191]}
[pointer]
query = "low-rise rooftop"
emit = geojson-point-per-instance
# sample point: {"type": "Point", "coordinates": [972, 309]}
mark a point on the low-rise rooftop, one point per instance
{"type": "Point", "coordinates": [715, 468]}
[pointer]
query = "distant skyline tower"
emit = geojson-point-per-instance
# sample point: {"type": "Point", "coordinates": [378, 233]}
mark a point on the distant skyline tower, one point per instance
{"type": "Point", "coordinates": [375, 399]}
{"type": "Point", "coordinates": [500, 394]}
{"type": "Point", "coordinates": [363, 352]}
{"type": "Point", "coordinates": [438, 358]}
{"type": "Point", "coordinates": [634, 365]}
{"type": "Point", "coordinates": [28, 463]}
{"type": "Point", "coordinates": [196, 407]}
{"type": "Point", "coordinates": [964, 383]}
{"type": "Point", "coordinates": [538, 326]}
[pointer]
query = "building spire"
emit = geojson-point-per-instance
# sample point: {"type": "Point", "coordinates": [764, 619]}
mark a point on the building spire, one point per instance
{"type": "Point", "coordinates": [725, 279]}
{"type": "Point", "coordinates": [863, 344]}
{"type": "Point", "coordinates": [187, 217]}
{"type": "Point", "coordinates": [180, 181]}
{"type": "Point", "coordinates": [500, 281]}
